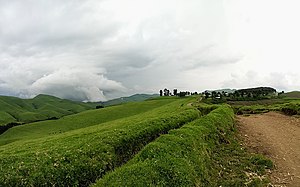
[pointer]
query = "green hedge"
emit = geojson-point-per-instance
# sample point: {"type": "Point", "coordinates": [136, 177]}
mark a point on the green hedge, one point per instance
{"type": "Point", "coordinates": [291, 109]}
{"type": "Point", "coordinates": [80, 157]}
{"type": "Point", "coordinates": [253, 109]}
{"type": "Point", "coordinates": [78, 121]}
{"type": "Point", "coordinates": [180, 158]}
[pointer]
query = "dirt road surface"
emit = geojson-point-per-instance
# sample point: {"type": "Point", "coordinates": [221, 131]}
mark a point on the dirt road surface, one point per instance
{"type": "Point", "coordinates": [278, 137]}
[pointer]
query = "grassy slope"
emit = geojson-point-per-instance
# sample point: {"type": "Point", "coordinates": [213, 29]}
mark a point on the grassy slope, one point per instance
{"type": "Point", "coordinates": [77, 121]}
{"type": "Point", "coordinates": [294, 94]}
{"type": "Point", "coordinates": [42, 107]}
{"type": "Point", "coordinates": [194, 155]}
{"type": "Point", "coordinates": [136, 97]}
{"type": "Point", "coordinates": [81, 156]}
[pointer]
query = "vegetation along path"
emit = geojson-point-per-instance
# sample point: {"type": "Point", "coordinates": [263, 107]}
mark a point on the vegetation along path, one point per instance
{"type": "Point", "coordinates": [278, 137]}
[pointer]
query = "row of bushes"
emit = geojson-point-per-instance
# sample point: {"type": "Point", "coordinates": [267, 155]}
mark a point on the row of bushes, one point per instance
{"type": "Point", "coordinates": [291, 109]}
{"type": "Point", "coordinates": [288, 109]}
{"type": "Point", "coordinates": [254, 109]}
{"type": "Point", "coordinates": [180, 158]}
{"type": "Point", "coordinates": [78, 121]}
{"type": "Point", "coordinates": [80, 157]}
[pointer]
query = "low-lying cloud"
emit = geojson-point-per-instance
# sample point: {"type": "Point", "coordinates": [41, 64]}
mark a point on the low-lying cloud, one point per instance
{"type": "Point", "coordinates": [77, 84]}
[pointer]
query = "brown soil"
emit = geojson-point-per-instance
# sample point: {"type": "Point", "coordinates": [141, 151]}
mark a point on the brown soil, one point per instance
{"type": "Point", "coordinates": [278, 137]}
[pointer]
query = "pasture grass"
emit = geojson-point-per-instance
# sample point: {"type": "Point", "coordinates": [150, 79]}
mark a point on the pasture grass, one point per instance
{"type": "Point", "coordinates": [80, 120]}
{"type": "Point", "coordinates": [201, 153]}
{"type": "Point", "coordinates": [292, 95]}
{"type": "Point", "coordinates": [79, 157]}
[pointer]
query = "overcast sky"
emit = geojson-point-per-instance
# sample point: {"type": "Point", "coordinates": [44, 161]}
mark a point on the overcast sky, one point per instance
{"type": "Point", "coordinates": [101, 49]}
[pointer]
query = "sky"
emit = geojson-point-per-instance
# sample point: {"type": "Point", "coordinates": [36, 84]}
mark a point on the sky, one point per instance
{"type": "Point", "coordinates": [95, 50]}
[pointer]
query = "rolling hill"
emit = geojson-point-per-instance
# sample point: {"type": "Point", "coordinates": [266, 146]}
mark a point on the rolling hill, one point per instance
{"type": "Point", "coordinates": [165, 141]}
{"type": "Point", "coordinates": [294, 94]}
{"type": "Point", "coordinates": [41, 107]}
{"type": "Point", "coordinates": [89, 151]}
{"type": "Point", "coordinates": [44, 107]}
{"type": "Point", "coordinates": [80, 120]}
{"type": "Point", "coordinates": [121, 100]}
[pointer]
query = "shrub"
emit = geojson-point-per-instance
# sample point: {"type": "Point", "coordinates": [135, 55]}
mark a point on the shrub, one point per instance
{"type": "Point", "coordinates": [180, 158]}
{"type": "Point", "coordinates": [291, 109]}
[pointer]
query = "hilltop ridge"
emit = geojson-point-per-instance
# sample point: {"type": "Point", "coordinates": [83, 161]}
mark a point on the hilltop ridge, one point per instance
{"type": "Point", "coordinates": [41, 107]}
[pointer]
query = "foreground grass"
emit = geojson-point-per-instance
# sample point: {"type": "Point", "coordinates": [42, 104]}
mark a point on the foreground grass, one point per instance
{"type": "Point", "coordinates": [79, 157]}
{"type": "Point", "coordinates": [77, 121]}
{"type": "Point", "coordinates": [194, 155]}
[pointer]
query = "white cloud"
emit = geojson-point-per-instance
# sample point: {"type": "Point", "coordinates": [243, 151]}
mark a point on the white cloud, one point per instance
{"type": "Point", "coordinates": [278, 80]}
{"type": "Point", "coordinates": [93, 50]}
{"type": "Point", "coordinates": [77, 84]}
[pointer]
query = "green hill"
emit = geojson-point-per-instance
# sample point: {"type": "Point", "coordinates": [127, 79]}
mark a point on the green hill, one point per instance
{"type": "Point", "coordinates": [42, 107]}
{"type": "Point", "coordinates": [136, 97]}
{"type": "Point", "coordinates": [80, 156]}
{"type": "Point", "coordinates": [80, 120]}
{"type": "Point", "coordinates": [294, 94]}
{"type": "Point", "coordinates": [191, 143]}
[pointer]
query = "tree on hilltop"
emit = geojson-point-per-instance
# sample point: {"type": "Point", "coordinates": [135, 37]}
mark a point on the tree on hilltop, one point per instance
{"type": "Point", "coordinates": [182, 94]}
{"type": "Point", "coordinates": [175, 92]}
{"type": "Point", "coordinates": [166, 92]}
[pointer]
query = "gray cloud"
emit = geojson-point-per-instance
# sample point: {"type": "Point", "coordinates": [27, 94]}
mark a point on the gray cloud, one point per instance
{"type": "Point", "coordinates": [45, 48]}
{"type": "Point", "coordinates": [209, 56]}
{"type": "Point", "coordinates": [128, 57]}
{"type": "Point", "coordinates": [237, 80]}
{"type": "Point", "coordinates": [97, 50]}
{"type": "Point", "coordinates": [91, 51]}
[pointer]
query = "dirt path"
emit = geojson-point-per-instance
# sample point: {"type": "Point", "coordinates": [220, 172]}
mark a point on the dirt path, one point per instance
{"type": "Point", "coordinates": [278, 137]}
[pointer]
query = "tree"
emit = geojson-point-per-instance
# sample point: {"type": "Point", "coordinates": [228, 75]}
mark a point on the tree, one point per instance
{"type": "Point", "coordinates": [213, 94]}
{"type": "Point", "coordinates": [175, 92]}
{"type": "Point", "coordinates": [206, 93]}
{"type": "Point", "coordinates": [182, 94]}
{"type": "Point", "coordinates": [160, 92]}
{"type": "Point", "coordinates": [236, 94]}
{"type": "Point", "coordinates": [280, 93]}
{"type": "Point", "coordinates": [99, 106]}
{"type": "Point", "coordinates": [249, 95]}
{"type": "Point", "coordinates": [166, 92]}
